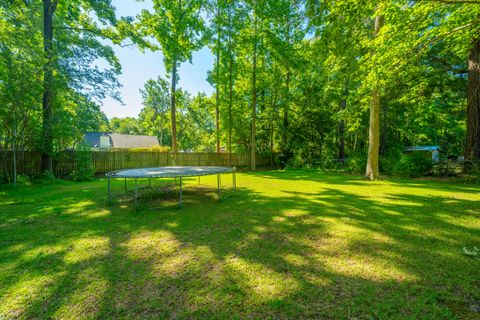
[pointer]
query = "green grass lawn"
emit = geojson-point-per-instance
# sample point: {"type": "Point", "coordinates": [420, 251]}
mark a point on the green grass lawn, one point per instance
{"type": "Point", "coordinates": [295, 244]}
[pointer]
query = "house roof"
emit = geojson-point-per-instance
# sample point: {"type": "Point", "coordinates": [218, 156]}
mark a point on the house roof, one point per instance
{"type": "Point", "coordinates": [133, 141]}
{"type": "Point", "coordinates": [118, 140]}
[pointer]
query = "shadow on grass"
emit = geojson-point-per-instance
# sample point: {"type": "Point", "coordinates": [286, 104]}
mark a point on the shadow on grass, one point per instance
{"type": "Point", "coordinates": [325, 254]}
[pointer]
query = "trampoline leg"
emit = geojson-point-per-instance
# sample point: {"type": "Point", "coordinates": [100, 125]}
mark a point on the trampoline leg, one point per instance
{"type": "Point", "coordinates": [109, 192]}
{"type": "Point", "coordinates": [125, 185]}
{"type": "Point", "coordinates": [180, 199]}
{"type": "Point", "coordinates": [136, 194]}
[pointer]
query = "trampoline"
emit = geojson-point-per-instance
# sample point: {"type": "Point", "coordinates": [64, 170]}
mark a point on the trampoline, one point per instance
{"type": "Point", "coordinates": [169, 172]}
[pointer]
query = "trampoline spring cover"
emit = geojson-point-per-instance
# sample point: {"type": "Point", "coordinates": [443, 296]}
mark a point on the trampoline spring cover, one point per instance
{"type": "Point", "coordinates": [170, 172]}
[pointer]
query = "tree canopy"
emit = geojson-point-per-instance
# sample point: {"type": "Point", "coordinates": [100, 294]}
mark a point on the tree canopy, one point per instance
{"type": "Point", "coordinates": [303, 82]}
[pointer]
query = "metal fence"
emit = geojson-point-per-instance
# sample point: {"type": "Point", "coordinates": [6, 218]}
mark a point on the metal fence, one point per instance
{"type": "Point", "coordinates": [102, 161]}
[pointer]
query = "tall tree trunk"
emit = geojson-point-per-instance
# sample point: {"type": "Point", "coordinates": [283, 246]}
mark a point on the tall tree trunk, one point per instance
{"type": "Point", "coordinates": [158, 119]}
{"type": "Point", "coordinates": [285, 114]}
{"type": "Point", "coordinates": [161, 132]}
{"type": "Point", "coordinates": [355, 139]}
{"type": "Point", "coordinates": [383, 145]}
{"type": "Point", "coordinates": [217, 87]}
{"type": "Point", "coordinates": [341, 132]}
{"type": "Point", "coordinates": [271, 143]}
{"type": "Point", "coordinates": [272, 126]}
{"type": "Point", "coordinates": [173, 107]}
{"type": "Point", "coordinates": [14, 147]}
{"type": "Point", "coordinates": [230, 84]}
{"type": "Point", "coordinates": [230, 105]}
{"type": "Point", "coordinates": [372, 171]}
{"type": "Point", "coordinates": [48, 86]}
{"type": "Point", "coordinates": [254, 101]}
{"type": "Point", "coordinates": [286, 107]}
{"type": "Point", "coordinates": [472, 150]}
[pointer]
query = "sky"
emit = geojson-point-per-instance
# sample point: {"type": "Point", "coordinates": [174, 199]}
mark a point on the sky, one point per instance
{"type": "Point", "coordinates": [138, 67]}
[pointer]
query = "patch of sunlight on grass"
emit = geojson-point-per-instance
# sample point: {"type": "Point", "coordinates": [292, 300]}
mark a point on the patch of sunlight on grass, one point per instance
{"type": "Point", "coordinates": [259, 229]}
{"type": "Point", "coordinates": [19, 247]}
{"type": "Point", "coordinates": [168, 255]}
{"type": "Point", "coordinates": [147, 244]}
{"type": "Point", "coordinates": [86, 249]}
{"type": "Point", "coordinates": [295, 213]}
{"type": "Point", "coordinates": [90, 287]}
{"type": "Point", "coordinates": [368, 268]}
{"type": "Point", "coordinates": [97, 213]}
{"type": "Point", "coordinates": [79, 206]}
{"type": "Point", "coordinates": [172, 224]}
{"type": "Point", "coordinates": [263, 283]}
{"type": "Point", "coordinates": [28, 288]}
{"type": "Point", "coordinates": [279, 219]}
{"type": "Point", "coordinates": [175, 264]}
{"type": "Point", "coordinates": [42, 250]}
{"type": "Point", "coordinates": [295, 259]}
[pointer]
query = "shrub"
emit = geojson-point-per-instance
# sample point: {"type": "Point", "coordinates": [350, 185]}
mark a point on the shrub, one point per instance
{"type": "Point", "coordinates": [357, 163]}
{"type": "Point", "coordinates": [388, 162]}
{"type": "Point", "coordinates": [83, 170]}
{"type": "Point", "coordinates": [82, 174]}
{"type": "Point", "coordinates": [46, 177]}
{"type": "Point", "coordinates": [156, 149]}
{"type": "Point", "coordinates": [299, 161]}
{"type": "Point", "coordinates": [412, 165]}
{"type": "Point", "coordinates": [23, 179]}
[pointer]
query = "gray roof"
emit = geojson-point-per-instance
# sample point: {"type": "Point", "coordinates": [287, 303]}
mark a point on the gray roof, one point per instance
{"type": "Point", "coordinates": [133, 141]}
{"type": "Point", "coordinates": [118, 140]}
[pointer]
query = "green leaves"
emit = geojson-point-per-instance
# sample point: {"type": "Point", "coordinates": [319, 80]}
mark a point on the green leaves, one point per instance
{"type": "Point", "coordinates": [177, 27]}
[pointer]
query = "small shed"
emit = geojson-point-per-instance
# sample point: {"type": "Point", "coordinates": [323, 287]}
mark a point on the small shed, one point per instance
{"type": "Point", "coordinates": [434, 150]}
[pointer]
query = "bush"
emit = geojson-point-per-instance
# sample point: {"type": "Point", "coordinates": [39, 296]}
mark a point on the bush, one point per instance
{"type": "Point", "coordinates": [83, 170]}
{"type": "Point", "coordinates": [388, 162]}
{"type": "Point", "coordinates": [156, 149]}
{"type": "Point", "coordinates": [47, 177]}
{"type": "Point", "coordinates": [412, 165]}
{"type": "Point", "coordinates": [299, 161]}
{"type": "Point", "coordinates": [357, 163]}
{"type": "Point", "coordinates": [23, 179]}
{"type": "Point", "coordinates": [82, 174]}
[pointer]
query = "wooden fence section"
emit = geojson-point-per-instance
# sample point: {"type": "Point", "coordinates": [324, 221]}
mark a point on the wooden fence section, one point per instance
{"type": "Point", "coordinates": [29, 162]}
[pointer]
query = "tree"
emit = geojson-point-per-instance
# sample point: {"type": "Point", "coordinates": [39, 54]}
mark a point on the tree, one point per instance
{"type": "Point", "coordinates": [373, 171]}
{"type": "Point", "coordinates": [49, 8]}
{"type": "Point", "coordinates": [179, 29]}
{"type": "Point", "coordinates": [472, 150]}
{"type": "Point", "coordinates": [253, 142]}
{"type": "Point", "coordinates": [155, 97]}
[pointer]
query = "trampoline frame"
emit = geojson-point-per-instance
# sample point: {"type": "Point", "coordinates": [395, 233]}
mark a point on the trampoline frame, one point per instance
{"type": "Point", "coordinates": [116, 175]}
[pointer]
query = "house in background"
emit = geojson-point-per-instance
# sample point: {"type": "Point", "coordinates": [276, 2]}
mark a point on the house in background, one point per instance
{"type": "Point", "coordinates": [117, 140]}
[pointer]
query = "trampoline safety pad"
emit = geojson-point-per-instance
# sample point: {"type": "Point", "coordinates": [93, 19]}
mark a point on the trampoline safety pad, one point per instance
{"type": "Point", "coordinates": [169, 172]}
